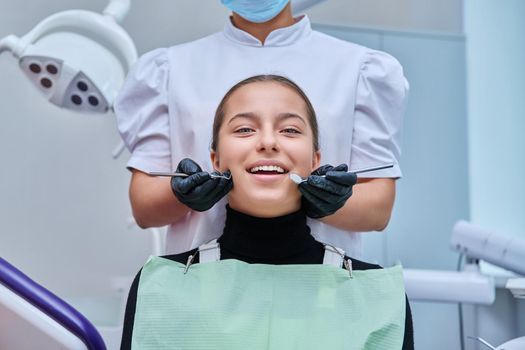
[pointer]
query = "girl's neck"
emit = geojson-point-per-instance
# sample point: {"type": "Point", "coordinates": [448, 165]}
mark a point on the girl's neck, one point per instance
{"type": "Point", "coordinates": [263, 211]}
{"type": "Point", "coordinates": [269, 239]}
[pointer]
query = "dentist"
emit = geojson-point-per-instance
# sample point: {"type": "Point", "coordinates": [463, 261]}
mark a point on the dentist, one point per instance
{"type": "Point", "coordinates": [168, 100]}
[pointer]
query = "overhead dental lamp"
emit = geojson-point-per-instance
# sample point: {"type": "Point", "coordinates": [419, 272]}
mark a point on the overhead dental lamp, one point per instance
{"type": "Point", "coordinates": [78, 59]}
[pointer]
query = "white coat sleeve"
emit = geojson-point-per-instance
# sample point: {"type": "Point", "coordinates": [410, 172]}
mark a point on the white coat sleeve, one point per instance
{"type": "Point", "coordinates": [378, 117]}
{"type": "Point", "coordinates": [141, 108]}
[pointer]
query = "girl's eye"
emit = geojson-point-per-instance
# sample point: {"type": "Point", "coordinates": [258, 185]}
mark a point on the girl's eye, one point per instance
{"type": "Point", "coordinates": [291, 131]}
{"type": "Point", "coordinates": [243, 130]}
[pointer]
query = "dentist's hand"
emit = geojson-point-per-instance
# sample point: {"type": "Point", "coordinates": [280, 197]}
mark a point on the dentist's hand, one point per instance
{"type": "Point", "coordinates": [199, 190]}
{"type": "Point", "coordinates": [323, 196]}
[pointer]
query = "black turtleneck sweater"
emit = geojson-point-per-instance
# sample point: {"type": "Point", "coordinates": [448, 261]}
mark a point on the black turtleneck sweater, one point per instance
{"type": "Point", "coordinates": [278, 241]}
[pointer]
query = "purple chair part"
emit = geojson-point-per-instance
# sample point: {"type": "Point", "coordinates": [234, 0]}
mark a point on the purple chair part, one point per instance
{"type": "Point", "coordinates": [51, 305]}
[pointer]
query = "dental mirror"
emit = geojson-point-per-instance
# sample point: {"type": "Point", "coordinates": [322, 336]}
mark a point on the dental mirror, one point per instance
{"type": "Point", "coordinates": [298, 179]}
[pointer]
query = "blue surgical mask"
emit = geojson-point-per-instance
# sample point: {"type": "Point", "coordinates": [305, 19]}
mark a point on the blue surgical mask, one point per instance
{"type": "Point", "coordinates": [257, 11]}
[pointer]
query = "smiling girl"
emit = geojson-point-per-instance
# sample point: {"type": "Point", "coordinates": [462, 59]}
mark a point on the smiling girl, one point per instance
{"type": "Point", "coordinates": [264, 129]}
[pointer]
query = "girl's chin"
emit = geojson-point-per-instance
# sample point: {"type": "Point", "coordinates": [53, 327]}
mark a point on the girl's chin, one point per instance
{"type": "Point", "coordinates": [264, 206]}
{"type": "Point", "coordinates": [262, 213]}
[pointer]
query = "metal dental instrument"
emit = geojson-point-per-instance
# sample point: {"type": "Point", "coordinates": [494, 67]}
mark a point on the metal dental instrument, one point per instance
{"type": "Point", "coordinates": [159, 173]}
{"type": "Point", "coordinates": [298, 179]}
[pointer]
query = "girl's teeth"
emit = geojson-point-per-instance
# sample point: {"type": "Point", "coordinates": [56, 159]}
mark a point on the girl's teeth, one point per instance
{"type": "Point", "coordinates": [267, 168]}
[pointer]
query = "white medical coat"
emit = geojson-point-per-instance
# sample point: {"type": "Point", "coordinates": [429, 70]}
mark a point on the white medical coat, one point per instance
{"type": "Point", "coordinates": [166, 107]}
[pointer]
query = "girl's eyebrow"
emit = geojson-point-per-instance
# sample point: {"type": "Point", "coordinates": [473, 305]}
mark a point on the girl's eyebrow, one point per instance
{"type": "Point", "coordinates": [280, 116]}
{"type": "Point", "coordinates": [248, 115]}
{"type": "Point", "coordinates": [283, 116]}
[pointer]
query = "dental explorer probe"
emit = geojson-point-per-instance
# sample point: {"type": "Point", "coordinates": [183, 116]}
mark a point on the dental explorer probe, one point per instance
{"type": "Point", "coordinates": [294, 177]}
{"type": "Point", "coordinates": [298, 179]}
{"type": "Point", "coordinates": [159, 173]}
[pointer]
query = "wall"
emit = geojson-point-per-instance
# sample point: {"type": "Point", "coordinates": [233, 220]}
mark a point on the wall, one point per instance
{"type": "Point", "coordinates": [496, 85]}
{"type": "Point", "coordinates": [407, 15]}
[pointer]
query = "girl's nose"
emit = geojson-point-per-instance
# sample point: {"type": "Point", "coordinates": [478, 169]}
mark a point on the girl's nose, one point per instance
{"type": "Point", "coordinates": [268, 141]}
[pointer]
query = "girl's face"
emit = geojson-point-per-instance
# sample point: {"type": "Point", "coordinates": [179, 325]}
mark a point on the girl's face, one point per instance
{"type": "Point", "coordinates": [265, 135]}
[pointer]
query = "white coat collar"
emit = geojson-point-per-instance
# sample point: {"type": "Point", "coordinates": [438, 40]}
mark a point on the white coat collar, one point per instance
{"type": "Point", "coordinates": [279, 37]}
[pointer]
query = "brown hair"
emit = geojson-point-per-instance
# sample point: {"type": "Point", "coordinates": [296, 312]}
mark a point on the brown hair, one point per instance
{"type": "Point", "coordinates": [219, 114]}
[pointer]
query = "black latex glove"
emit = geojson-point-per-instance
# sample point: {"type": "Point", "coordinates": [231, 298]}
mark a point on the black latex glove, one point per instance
{"type": "Point", "coordinates": [199, 191]}
{"type": "Point", "coordinates": [323, 196]}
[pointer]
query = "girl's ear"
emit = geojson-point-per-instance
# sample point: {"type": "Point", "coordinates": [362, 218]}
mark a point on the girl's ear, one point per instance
{"type": "Point", "coordinates": [316, 160]}
{"type": "Point", "coordinates": [215, 160]}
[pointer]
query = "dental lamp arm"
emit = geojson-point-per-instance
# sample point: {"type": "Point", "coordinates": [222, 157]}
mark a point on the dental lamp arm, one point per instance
{"type": "Point", "coordinates": [368, 209]}
{"type": "Point", "coordinates": [117, 9]}
{"type": "Point", "coordinates": [12, 44]}
{"type": "Point", "coordinates": [117, 151]}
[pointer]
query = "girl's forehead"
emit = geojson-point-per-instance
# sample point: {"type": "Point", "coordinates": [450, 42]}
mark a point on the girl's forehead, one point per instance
{"type": "Point", "coordinates": [260, 96]}
{"type": "Point", "coordinates": [264, 89]}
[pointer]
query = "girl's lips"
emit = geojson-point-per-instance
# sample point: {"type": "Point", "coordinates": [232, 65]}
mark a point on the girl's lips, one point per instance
{"type": "Point", "coordinates": [267, 177]}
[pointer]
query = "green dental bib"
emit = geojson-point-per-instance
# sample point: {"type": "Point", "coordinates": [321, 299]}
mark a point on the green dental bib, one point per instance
{"type": "Point", "coordinates": [231, 305]}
